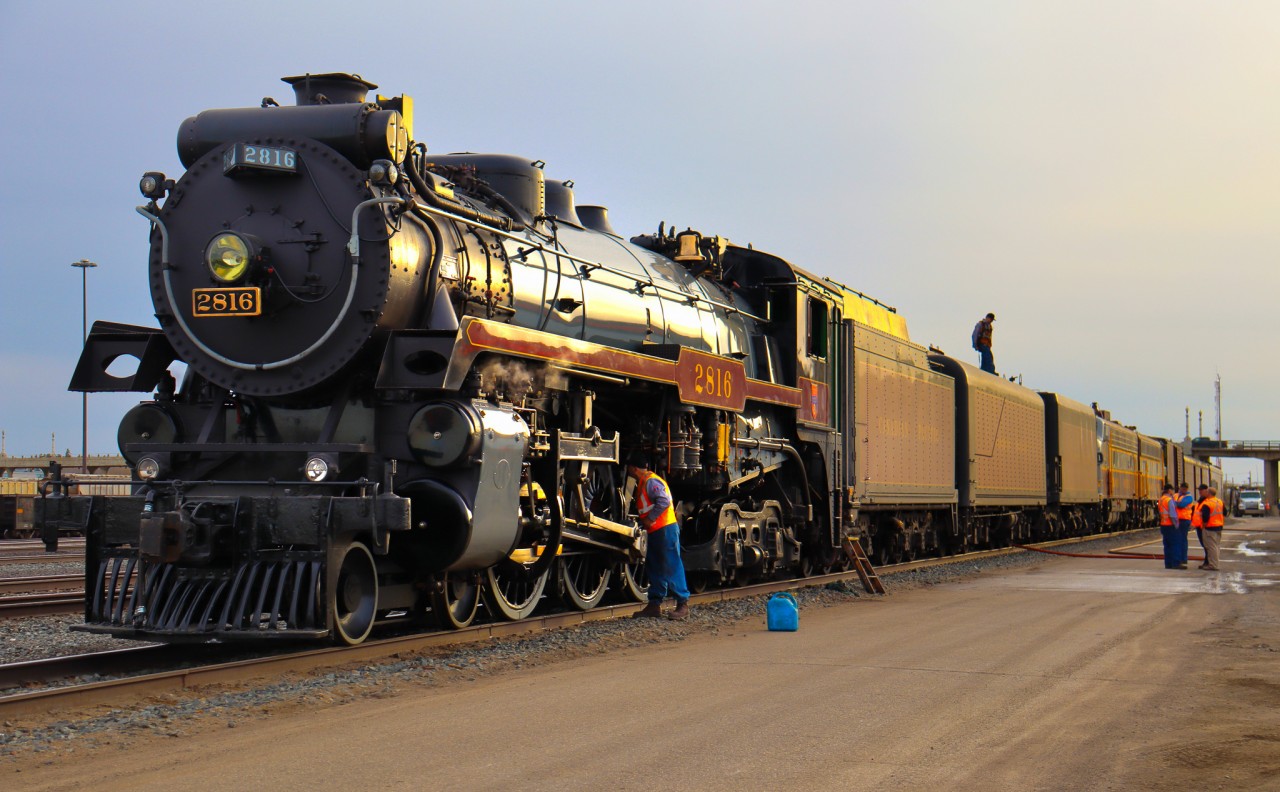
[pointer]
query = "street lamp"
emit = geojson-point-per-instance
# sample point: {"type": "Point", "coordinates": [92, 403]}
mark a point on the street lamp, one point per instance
{"type": "Point", "coordinates": [84, 265]}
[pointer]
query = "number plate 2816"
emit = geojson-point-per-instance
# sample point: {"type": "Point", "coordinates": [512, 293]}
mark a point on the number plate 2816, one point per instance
{"type": "Point", "coordinates": [240, 301]}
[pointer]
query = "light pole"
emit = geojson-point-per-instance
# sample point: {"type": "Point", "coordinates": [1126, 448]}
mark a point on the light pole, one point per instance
{"type": "Point", "coordinates": [84, 265]}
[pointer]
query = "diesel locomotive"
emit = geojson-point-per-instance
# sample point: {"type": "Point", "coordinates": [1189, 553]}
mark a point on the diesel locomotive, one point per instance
{"type": "Point", "coordinates": [413, 382]}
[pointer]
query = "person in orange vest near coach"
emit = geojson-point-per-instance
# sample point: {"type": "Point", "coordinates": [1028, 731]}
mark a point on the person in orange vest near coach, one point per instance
{"type": "Point", "coordinates": [1212, 514]}
{"type": "Point", "coordinates": [1196, 522]}
{"type": "Point", "coordinates": [1168, 527]}
{"type": "Point", "coordinates": [662, 560]}
{"type": "Point", "coordinates": [1184, 503]}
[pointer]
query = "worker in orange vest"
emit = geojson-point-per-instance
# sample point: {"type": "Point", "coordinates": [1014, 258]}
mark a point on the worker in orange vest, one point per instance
{"type": "Point", "coordinates": [1196, 522]}
{"type": "Point", "coordinates": [1168, 526]}
{"type": "Point", "coordinates": [1184, 503]}
{"type": "Point", "coordinates": [1212, 514]}
{"type": "Point", "coordinates": [982, 333]}
{"type": "Point", "coordinates": [662, 559]}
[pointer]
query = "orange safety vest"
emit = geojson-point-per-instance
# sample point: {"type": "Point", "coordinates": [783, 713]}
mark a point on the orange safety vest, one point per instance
{"type": "Point", "coordinates": [1215, 512]}
{"type": "Point", "coordinates": [1185, 514]}
{"type": "Point", "coordinates": [653, 522]}
{"type": "Point", "coordinates": [1195, 514]}
{"type": "Point", "coordinates": [983, 331]}
{"type": "Point", "coordinates": [1165, 522]}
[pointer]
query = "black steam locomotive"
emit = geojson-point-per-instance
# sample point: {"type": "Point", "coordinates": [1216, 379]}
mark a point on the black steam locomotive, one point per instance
{"type": "Point", "coordinates": [412, 381]}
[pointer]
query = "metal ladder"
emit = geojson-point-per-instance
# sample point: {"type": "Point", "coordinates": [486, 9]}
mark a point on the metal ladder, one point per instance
{"type": "Point", "coordinates": [870, 580]}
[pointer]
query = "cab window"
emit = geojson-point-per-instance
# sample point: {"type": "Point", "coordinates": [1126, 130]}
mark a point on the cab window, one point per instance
{"type": "Point", "coordinates": [817, 341]}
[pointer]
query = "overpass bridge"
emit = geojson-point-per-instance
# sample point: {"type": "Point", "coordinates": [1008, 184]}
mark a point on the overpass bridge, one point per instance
{"type": "Point", "coordinates": [1268, 451]}
{"type": "Point", "coordinates": [98, 463]}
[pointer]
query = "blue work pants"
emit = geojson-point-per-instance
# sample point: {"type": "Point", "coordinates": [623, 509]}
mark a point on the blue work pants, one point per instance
{"type": "Point", "coordinates": [665, 567]}
{"type": "Point", "coordinates": [1167, 536]}
{"type": "Point", "coordinates": [1180, 540]}
{"type": "Point", "coordinates": [988, 359]}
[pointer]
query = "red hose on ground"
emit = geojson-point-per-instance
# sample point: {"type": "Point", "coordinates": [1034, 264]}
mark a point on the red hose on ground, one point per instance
{"type": "Point", "coordinates": [1143, 556]}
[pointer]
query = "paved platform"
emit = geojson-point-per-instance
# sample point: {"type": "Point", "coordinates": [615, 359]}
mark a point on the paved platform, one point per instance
{"type": "Point", "coordinates": [1075, 674]}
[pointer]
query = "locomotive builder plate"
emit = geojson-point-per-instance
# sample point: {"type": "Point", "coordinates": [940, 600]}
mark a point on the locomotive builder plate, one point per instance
{"type": "Point", "coordinates": [239, 301]}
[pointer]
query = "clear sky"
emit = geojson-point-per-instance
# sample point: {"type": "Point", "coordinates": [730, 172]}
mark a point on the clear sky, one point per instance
{"type": "Point", "coordinates": [1102, 175]}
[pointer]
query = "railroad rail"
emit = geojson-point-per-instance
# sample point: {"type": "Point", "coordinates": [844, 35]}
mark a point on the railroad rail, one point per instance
{"type": "Point", "coordinates": [39, 672]}
{"type": "Point", "coordinates": [28, 546]}
{"type": "Point", "coordinates": [43, 558]}
{"type": "Point", "coordinates": [44, 604]}
{"type": "Point", "coordinates": [27, 585]}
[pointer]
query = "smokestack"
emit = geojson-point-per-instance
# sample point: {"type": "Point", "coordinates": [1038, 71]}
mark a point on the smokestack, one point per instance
{"type": "Point", "coordinates": [331, 88]}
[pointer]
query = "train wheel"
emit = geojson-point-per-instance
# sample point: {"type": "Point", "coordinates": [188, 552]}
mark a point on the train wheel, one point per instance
{"type": "Point", "coordinates": [588, 490]}
{"type": "Point", "coordinates": [455, 605]}
{"type": "Point", "coordinates": [632, 582]}
{"type": "Point", "coordinates": [585, 578]}
{"type": "Point", "coordinates": [512, 594]}
{"type": "Point", "coordinates": [698, 581]}
{"type": "Point", "coordinates": [354, 598]}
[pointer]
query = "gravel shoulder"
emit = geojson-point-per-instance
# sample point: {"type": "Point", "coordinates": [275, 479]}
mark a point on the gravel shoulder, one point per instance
{"type": "Point", "coordinates": [36, 748]}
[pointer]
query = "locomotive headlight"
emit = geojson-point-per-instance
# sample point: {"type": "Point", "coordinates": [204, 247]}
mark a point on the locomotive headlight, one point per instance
{"type": "Point", "coordinates": [148, 468]}
{"type": "Point", "coordinates": [228, 257]}
{"type": "Point", "coordinates": [316, 469]}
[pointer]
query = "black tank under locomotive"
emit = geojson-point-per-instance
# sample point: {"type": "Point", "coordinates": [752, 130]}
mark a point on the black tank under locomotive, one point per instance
{"type": "Point", "coordinates": [412, 381]}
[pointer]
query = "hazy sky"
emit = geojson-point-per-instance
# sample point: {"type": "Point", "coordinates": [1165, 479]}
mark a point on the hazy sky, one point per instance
{"type": "Point", "coordinates": [1102, 175]}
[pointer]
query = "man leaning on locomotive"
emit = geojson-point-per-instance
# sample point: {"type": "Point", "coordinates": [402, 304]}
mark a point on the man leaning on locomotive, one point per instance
{"type": "Point", "coordinates": [663, 564]}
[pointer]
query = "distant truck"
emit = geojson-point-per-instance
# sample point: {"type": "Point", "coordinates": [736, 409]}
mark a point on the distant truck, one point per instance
{"type": "Point", "coordinates": [1251, 503]}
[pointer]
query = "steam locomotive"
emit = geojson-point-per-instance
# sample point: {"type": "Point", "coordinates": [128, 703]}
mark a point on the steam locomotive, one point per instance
{"type": "Point", "coordinates": [413, 381]}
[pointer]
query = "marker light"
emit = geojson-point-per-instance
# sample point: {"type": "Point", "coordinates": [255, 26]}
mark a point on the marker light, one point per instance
{"type": "Point", "coordinates": [151, 185]}
{"type": "Point", "coordinates": [148, 468]}
{"type": "Point", "coordinates": [316, 469]}
{"type": "Point", "coordinates": [228, 257]}
{"type": "Point", "coordinates": [383, 172]}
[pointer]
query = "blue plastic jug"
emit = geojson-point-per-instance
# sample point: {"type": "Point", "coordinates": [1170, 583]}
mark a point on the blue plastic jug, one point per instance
{"type": "Point", "coordinates": [783, 612]}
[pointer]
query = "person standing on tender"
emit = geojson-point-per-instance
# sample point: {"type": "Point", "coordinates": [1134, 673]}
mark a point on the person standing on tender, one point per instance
{"type": "Point", "coordinates": [982, 332]}
{"type": "Point", "coordinates": [662, 560]}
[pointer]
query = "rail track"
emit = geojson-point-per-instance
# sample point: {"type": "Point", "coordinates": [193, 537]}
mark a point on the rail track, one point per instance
{"type": "Point", "coordinates": [43, 558]}
{"type": "Point", "coordinates": [41, 672]}
{"type": "Point", "coordinates": [43, 604]}
{"type": "Point", "coordinates": [29, 585]}
{"type": "Point", "coordinates": [32, 546]}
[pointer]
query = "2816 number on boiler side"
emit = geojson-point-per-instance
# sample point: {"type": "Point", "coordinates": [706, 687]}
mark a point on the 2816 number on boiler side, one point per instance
{"type": "Point", "coordinates": [711, 380]}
